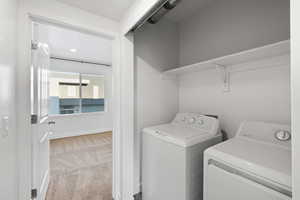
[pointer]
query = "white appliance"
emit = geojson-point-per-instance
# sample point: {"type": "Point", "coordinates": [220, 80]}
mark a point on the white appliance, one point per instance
{"type": "Point", "coordinates": [256, 164]}
{"type": "Point", "coordinates": [172, 161]}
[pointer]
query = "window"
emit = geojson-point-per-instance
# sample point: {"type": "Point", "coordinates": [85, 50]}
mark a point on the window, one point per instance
{"type": "Point", "coordinates": [92, 94]}
{"type": "Point", "coordinates": [71, 93]}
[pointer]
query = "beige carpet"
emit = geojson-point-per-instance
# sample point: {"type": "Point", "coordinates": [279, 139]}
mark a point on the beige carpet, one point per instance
{"type": "Point", "coordinates": [81, 168]}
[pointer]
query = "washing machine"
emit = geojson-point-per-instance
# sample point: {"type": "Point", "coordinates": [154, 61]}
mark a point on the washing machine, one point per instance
{"type": "Point", "coordinates": [255, 164]}
{"type": "Point", "coordinates": [172, 158]}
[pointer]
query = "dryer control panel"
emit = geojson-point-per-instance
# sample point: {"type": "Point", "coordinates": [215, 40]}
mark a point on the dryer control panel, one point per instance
{"type": "Point", "coordinates": [278, 134]}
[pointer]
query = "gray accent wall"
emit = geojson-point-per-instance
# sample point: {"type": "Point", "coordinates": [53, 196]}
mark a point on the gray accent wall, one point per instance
{"type": "Point", "coordinates": [158, 45]}
{"type": "Point", "coordinates": [225, 27]}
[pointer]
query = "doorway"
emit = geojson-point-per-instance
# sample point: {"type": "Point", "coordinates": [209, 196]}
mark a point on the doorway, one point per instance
{"type": "Point", "coordinates": [72, 120]}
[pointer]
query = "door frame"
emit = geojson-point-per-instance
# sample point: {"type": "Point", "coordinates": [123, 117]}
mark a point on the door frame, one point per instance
{"type": "Point", "coordinates": [122, 101]}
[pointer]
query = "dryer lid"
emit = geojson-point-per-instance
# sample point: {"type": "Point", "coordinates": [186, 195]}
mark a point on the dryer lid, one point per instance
{"type": "Point", "coordinates": [255, 151]}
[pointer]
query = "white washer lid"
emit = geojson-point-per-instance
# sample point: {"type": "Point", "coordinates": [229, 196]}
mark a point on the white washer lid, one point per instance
{"type": "Point", "coordinates": [180, 135]}
{"type": "Point", "coordinates": [272, 162]}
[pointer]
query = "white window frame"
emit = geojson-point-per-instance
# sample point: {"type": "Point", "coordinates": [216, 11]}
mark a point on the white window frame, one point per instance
{"type": "Point", "coordinates": [80, 94]}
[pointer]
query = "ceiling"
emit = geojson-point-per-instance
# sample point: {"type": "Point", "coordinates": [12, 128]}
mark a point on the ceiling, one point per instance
{"type": "Point", "coordinates": [66, 43]}
{"type": "Point", "coordinates": [185, 9]}
{"type": "Point", "coordinates": [113, 9]}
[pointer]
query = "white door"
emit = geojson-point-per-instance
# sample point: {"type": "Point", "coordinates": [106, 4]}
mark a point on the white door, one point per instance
{"type": "Point", "coordinates": [40, 124]}
{"type": "Point", "coordinates": [223, 182]}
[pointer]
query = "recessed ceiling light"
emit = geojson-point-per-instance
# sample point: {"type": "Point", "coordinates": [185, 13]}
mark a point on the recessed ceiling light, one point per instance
{"type": "Point", "coordinates": [73, 50]}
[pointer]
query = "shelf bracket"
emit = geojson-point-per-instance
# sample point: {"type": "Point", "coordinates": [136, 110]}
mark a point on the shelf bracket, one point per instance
{"type": "Point", "coordinates": [224, 76]}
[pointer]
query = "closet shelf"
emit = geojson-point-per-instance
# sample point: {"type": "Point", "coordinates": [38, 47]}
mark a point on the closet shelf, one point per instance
{"type": "Point", "coordinates": [268, 51]}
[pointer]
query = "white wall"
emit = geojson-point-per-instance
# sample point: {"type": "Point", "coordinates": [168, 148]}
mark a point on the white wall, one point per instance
{"type": "Point", "coordinates": [262, 93]}
{"type": "Point", "coordinates": [224, 27]}
{"type": "Point", "coordinates": [8, 147]}
{"type": "Point", "coordinates": [61, 12]}
{"type": "Point", "coordinates": [86, 123]}
{"type": "Point", "coordinates": [156, 47]}
{"type": "Point", "coordinates": [295, 85]}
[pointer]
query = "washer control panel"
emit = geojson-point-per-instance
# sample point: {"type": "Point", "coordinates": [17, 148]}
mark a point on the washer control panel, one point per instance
{"type": "Point", "coordinates": [279, 134]}
{"type": "Point", "coordinates": [197, 121]}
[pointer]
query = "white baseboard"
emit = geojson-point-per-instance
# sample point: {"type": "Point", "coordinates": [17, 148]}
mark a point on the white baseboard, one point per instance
{"type": "Point", "coordinates": [58, 135]}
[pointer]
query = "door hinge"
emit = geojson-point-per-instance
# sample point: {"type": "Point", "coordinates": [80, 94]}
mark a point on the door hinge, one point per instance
{"type": "Point", "coordinates": [33, 193]}
{"type": "Point", "coordinates": [34, 119]}
{"type": "Point", "coordinates": [34, 46]}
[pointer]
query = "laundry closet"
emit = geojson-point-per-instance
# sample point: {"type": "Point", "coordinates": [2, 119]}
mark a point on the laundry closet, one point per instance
{"type": "Point", "coordinates": [225, 58]}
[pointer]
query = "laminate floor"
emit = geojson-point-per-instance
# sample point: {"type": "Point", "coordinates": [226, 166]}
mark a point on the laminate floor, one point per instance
{"type": "Point", "coordinates": [81, 168]}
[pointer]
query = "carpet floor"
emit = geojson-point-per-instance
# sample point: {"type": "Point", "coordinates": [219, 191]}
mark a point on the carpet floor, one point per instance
{"type": "Point", "coordinates": [81, 168]}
